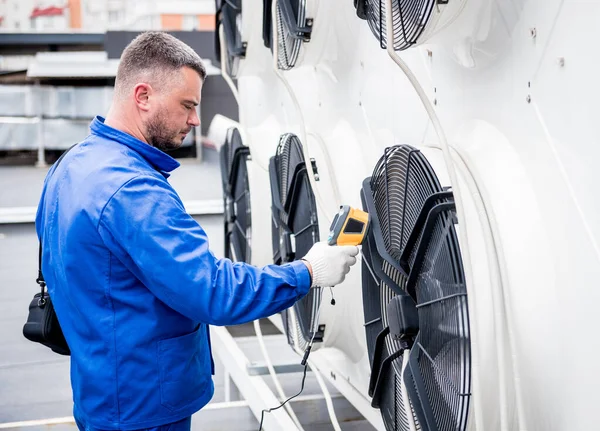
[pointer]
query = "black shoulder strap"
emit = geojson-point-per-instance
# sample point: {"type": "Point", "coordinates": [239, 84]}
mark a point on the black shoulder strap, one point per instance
{"type": "Point", "coordinates": [40, 278]}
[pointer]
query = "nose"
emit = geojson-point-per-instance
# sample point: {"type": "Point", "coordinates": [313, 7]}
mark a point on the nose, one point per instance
{"type": "Point", "coordinates": [193, 119]}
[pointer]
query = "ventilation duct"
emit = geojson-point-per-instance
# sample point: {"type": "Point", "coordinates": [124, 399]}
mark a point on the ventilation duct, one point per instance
{"type": "Point", "coordinates": [415, 301]}
{"type": "Point", "coordinates": [229, 15]}
{"type": "Point", "coordinates": [295, 230]}
{"type": "Point", "coordinates": [236, 197]}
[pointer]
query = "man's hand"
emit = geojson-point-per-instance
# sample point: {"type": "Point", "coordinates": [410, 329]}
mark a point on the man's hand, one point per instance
{"type": "Point", "coordinates": [328, 265]}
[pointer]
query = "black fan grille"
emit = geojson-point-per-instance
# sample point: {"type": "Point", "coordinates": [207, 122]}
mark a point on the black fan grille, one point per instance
{"type": "Point", "coordinates": [236, 197]}
{"type": "Point", "coordinates": [376, 295]}
{"type": "Point", "coordinates": [231, 18]}
{"type": "Point", "coordinates": [288, 47]}
{"type": "Point", "coordinates": [300, 217]}
{"type": "Point", "coordinates": [402, 183]}
{"type": "Point", "coordinates": [409, 18]}
{"type": "Point", "coordinates": [443, 346]}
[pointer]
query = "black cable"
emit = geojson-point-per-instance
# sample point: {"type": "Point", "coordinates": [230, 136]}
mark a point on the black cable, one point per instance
{"type": "Point", "coordinates": [303, 362]}
{"type": "Point", "coordinates": [262, 415]}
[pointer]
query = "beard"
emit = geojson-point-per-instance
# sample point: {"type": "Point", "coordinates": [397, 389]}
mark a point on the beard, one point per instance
{"type": "Point", "coordinates": [161, 136]}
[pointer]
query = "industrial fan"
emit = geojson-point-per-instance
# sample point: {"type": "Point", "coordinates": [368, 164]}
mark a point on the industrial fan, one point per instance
{"type": "Point", "coordinates": [415, 301]}
{"type": "Point", "coordinates": [295, 229]}
{"type": "Point", "coordinates": [236, 197]}
{"type": "Point", "coordinates": [293, 29]}
{"type": "Point", "coordinates": [267, 32]}
{"type": "Point", "coordinates": [413, 20]}
{"type": "Point", "coordinates": [229, 15]}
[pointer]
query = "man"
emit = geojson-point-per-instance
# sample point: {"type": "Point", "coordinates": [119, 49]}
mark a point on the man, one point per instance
{"type": "Point", "coordinates": [130, 273]}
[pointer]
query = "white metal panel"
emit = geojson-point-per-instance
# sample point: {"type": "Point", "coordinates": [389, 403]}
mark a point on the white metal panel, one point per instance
{"type": "Point", "coordinates": [514, 86]}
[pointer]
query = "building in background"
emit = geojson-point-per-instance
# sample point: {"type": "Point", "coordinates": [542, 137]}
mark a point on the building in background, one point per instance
{"type": "Point", "coordinates": [25, 16]}
{"type": "Point", "coordinates": [58, 61]}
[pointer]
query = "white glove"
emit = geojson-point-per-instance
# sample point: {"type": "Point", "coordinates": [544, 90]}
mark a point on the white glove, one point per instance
{"type": "Point", "coordinates": [330, 264]}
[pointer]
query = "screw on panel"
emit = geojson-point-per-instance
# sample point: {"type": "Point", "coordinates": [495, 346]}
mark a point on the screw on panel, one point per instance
{"type": "Point", "coordinates": [317, 178]}
{"type": "Point", "coordinates": [528, 98]}
{"type": "Point", "coordinates": [429, 53]}
{"type": "Point", "coordinates": [533, 32]}
{"type": "Point", "coordinates": [333, 376]}
{"type": "Point", "coordinates": [309, 23]}
{"type": "Point", "coordinates": [561, 61]}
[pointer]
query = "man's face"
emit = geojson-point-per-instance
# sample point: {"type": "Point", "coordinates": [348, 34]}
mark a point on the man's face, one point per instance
{"type": "Point", "coordinates": [174, 113]}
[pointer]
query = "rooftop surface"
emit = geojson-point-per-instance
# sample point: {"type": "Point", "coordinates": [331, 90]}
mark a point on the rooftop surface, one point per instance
{"type": "Point", "coordinates": [34, 382]}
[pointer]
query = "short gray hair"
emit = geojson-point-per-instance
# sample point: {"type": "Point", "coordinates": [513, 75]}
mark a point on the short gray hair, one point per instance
{"type": "Point", "coordinates": [153, 54]}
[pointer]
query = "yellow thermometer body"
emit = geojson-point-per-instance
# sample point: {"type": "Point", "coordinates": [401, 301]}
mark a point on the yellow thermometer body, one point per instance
{"type": "Point", "coordinates": [349, 227]}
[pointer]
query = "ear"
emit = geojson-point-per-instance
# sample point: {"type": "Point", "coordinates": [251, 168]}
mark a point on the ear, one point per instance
{"type": "Point", "coordinates": [141, 95]}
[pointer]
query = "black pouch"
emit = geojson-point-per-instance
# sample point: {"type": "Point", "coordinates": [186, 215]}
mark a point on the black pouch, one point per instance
{"type": "Point", "coordinates": [42, 324]}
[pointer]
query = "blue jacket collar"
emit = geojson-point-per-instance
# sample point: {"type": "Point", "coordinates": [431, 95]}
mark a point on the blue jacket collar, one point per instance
{"type": "Point", "coordinates": [160, 160]}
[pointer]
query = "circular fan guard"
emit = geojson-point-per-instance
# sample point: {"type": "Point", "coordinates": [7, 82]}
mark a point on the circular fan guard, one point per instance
{"type": "Point", "coordinates": [412, 251]}
{"type": "Point", "coordinates": [293, 28]}
{"type": "Point", "coordinates": [229, 15]}
{"type": "Point", "coordinates": [295, 229]}
{"type": "Point", "coordinates": [236, 197]}
{"type": "Point", "coordinates": [409, 18]}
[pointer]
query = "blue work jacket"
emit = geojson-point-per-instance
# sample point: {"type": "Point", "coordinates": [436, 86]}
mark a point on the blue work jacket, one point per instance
{"type": "Point", "coordinates": [135, 285]}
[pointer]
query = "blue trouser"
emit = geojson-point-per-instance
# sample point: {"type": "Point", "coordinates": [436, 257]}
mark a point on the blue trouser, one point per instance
{"type": "Point", "coordinates": [182, 425]}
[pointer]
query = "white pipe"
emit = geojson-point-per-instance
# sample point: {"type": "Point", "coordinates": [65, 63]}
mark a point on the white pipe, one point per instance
{"type": "Point", "coordinates": [327, 395]}
{"type": "Point", "coordinates": [320, 381]}
{"type": "Point", "coordinates": [464, 240]}
{"type": "Point", "coordinates": [295, 335]}
{"type": "Point", "coordinates": [282, 396]}
{"type": "Point", "coordinates": [311, 174]}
